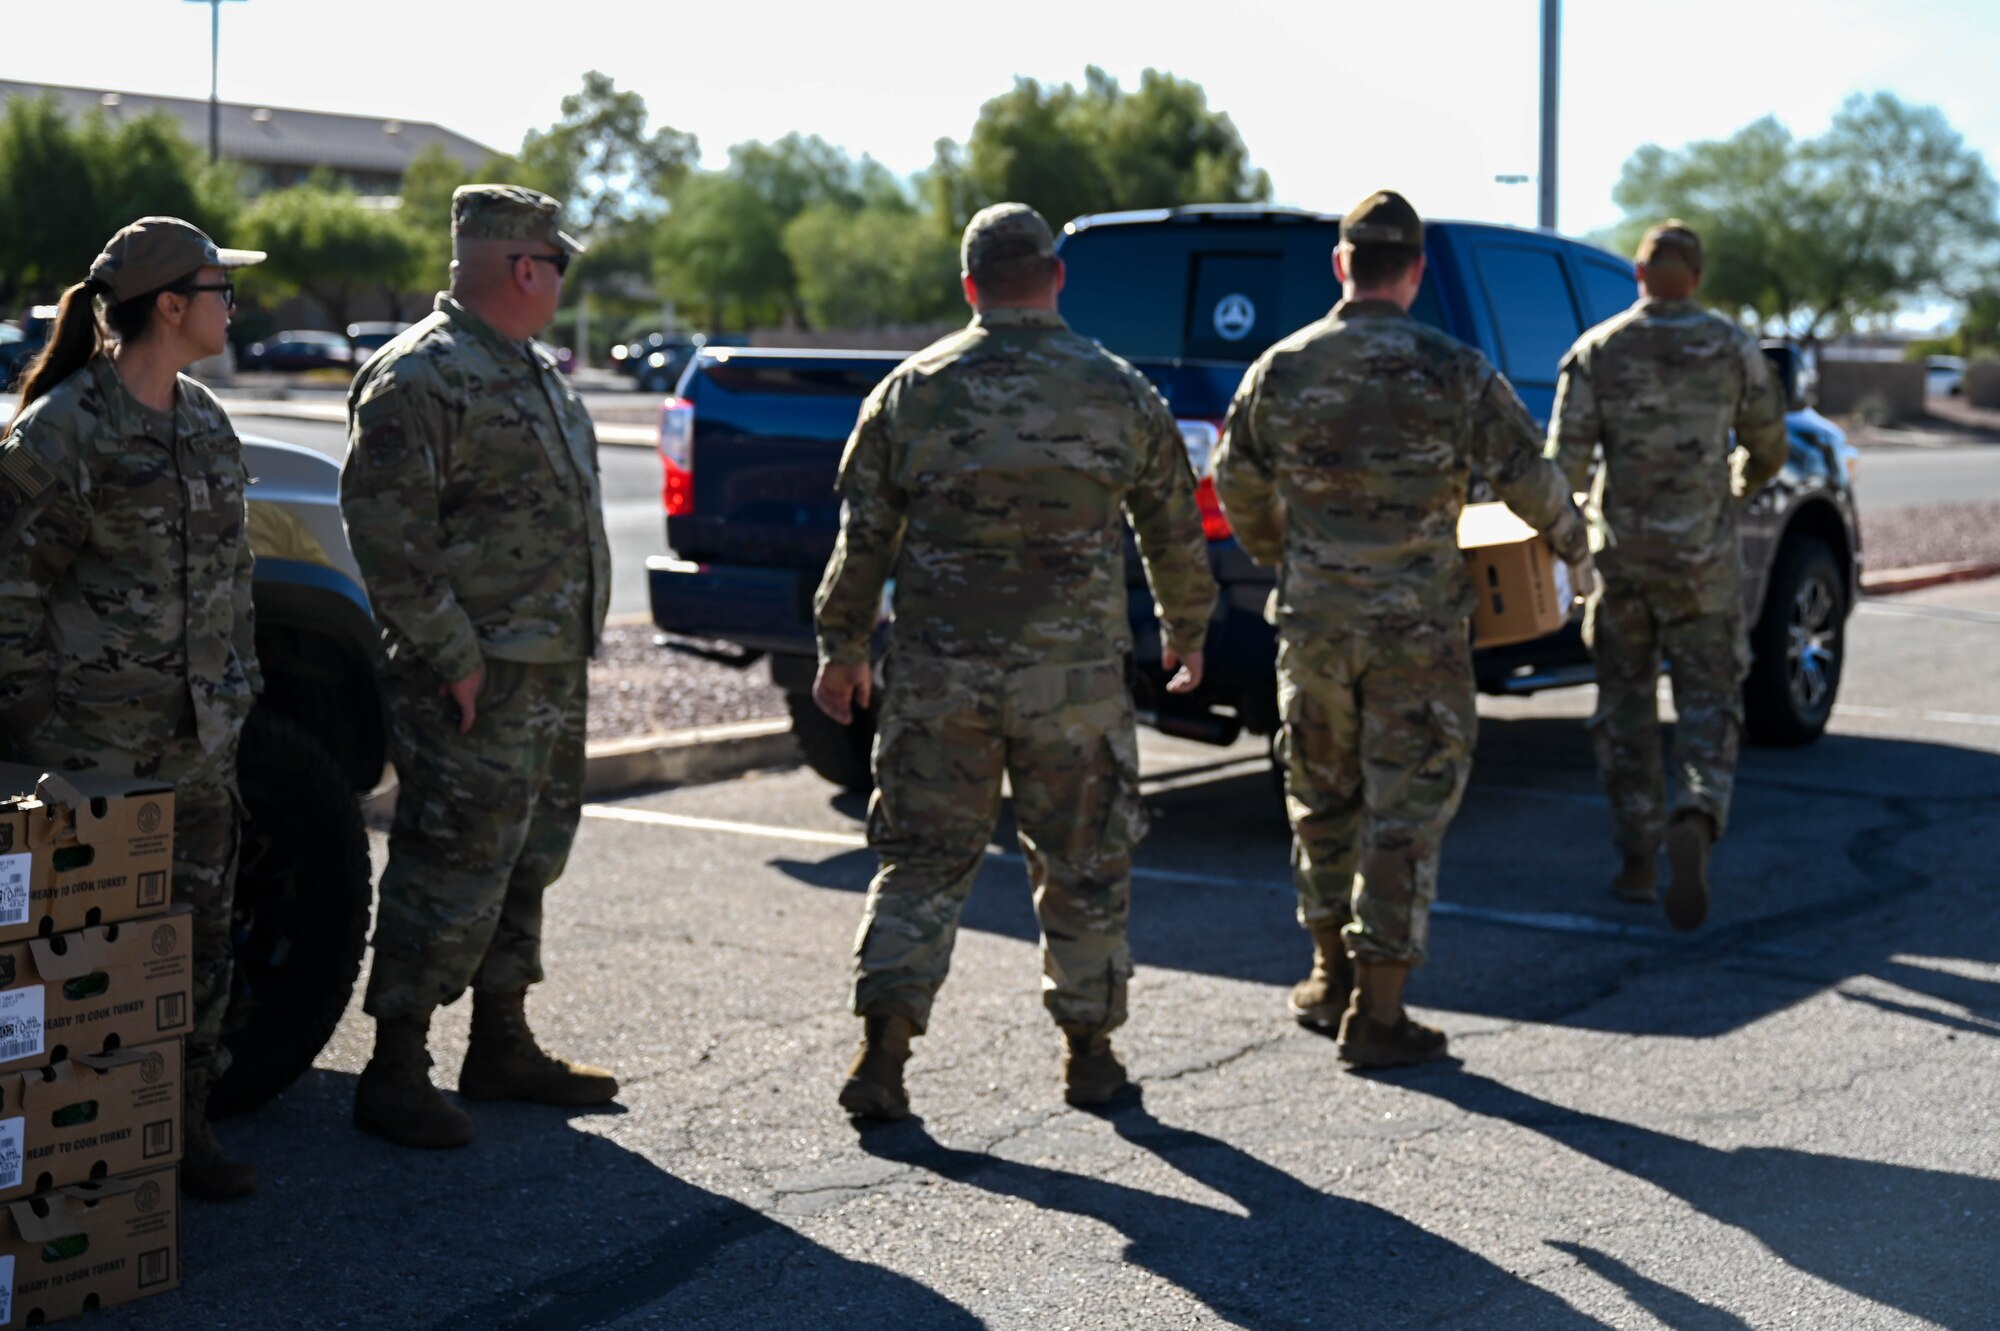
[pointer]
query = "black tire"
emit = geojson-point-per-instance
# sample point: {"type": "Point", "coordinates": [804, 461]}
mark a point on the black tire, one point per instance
{"type": "Point", "coordinates": [303, 889]}
{"type": "Point", "coordinates": [1799, 644]}
{"type": "Point", "coordinates": [841, 754]}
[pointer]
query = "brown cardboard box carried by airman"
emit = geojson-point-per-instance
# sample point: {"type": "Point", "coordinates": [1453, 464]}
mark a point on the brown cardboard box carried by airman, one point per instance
{"type": "Point", "coordinates": [109, 986]}
{"type": "Point", "coordinates": [92, 1116]}
{"type": "Point", "coordinates": [90, 1245]}
{"type": "Point", "coordinates": [79, 849]}
{"type": "Point", "coordinates": [1524, 589]}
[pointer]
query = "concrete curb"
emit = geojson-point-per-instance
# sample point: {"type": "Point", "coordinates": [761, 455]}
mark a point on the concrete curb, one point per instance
{"type": "Point", "coordinates": [1892, 581]}
{"type": "Point", "coordinates": [678, 758]}
{"type": "Point", "coordinates": [335, 413]}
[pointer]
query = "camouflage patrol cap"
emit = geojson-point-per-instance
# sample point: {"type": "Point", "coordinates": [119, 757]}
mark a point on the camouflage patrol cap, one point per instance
{"type": "Point", "coordinates": [1004, 239]}
{"type": "Point", "coordinates": [155, 252]}
{"type": "Point", "coordinates": [1383, 218]}
{"type": "Point", "coordinates": [509, 212]}
{"type": "Point", "coordinates": [1670, 243]}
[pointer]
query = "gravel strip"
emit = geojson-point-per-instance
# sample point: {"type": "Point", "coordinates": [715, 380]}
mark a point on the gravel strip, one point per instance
{"type": "Point", "coordinates": [639, 689]}
{"type": "Point", "coordinates": [1931, 534]}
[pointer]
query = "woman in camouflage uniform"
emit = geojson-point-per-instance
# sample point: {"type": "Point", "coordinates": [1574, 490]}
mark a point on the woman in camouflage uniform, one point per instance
{"type": "Point", "coordinates": [126, 643]}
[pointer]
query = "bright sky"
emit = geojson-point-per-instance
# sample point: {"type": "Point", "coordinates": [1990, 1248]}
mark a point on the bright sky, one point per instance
{"type": "Point", "coordinates": [1333, 99]}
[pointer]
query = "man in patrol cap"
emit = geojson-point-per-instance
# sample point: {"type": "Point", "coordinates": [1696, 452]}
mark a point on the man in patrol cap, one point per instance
{"type": "Point", "coordinates": [473, 504]}
{"type": "Point", "coordinates": [1345, 462]}
{"type": "Point", "coordinates": [1657, 391]}
{"type": "Point", "coordinates": [992, 476]}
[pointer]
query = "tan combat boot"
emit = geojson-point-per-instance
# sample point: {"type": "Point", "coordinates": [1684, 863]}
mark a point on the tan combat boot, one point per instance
{"type": "Point", "coordinates": [1092, 1074]}
{"type": "Point", "coordinates": [206, 1173]}
{"type": "Point", "coordinates": [503, 1062]}
{"type": "Point", "coordinates": [1318, 1000]}
{"type": "Point", "coordinates": [1376, 1032]}
{"type": "Point", "coordinates": [874, 1086]}
{"type": "Point", "coordinates": [1638, 880]}
{"type": "Point", "coordinates": [1689, 837]}
{"type": "Point", "coordinates": [395, 1099]}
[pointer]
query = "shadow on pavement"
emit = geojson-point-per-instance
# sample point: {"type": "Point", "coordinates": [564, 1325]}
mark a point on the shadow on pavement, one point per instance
{"type": "Point", "coordinates": [540, 1223]}
{"type": "Point", "coordinates": [1526, 929]}
{"type": "Point", "coordinates": [1917, 1240]}
{"type": "Point", "coordinates": [1300, 1257]}
{"type": "Point", "coordinates": [1673, 1308]}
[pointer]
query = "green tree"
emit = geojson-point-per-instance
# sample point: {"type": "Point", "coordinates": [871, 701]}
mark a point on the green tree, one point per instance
{"type": "Point", "coordinates": [602, 160]}
{"type": "Point", "coordinates": [1889, 205]}
{"type": "Point", "coordinates": [1068, 151]}
{"type": "Point", "coordinates": [325, 244]}
{"type": "Point", "coordinates": [86, 179]}
{"type": "Point", "coordinates": [872, 267]}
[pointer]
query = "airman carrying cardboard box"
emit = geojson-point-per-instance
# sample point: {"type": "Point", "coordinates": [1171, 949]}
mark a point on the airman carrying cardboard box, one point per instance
{"type": "Point", "coordinates": [109, 986]}
{"type": "Point", "coordinates": [89, 1117]}
{"type": "Point", "coordinates": [92, 1245]}
{"type": "Point", "coordinates": [81, 848]}
{"type": "Point", "coordinates": [1524, 590]}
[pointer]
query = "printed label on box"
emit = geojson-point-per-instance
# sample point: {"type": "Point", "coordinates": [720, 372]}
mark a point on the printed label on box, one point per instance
{"type": "Point", "coordinates": [21, 1012]}
{"type": "Point", "coordinates": [14, 870]}
{"type": "Point", "coordinates": [13, 1144]}
{"type": "Point", "coordinates": [6, 1291]}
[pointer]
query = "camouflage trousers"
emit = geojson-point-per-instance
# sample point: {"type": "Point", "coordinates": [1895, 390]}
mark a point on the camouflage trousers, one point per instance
{"type": "Point", "coordinates": [208, 826]}
{"type": "Point", "coordinates": [1063, 737]}
{"type": "Point", "coordinates": [1376, 748]}
{"type": "Point", "coordinates": [1631, 623]}
{"type": "Point", "coordinates": [484, 823]}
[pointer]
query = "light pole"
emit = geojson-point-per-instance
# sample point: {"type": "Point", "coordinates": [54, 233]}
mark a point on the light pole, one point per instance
{"type": "Point", "coordinates": [1551, 82]}
{"type": "Point", "coordinates": [214, 77]}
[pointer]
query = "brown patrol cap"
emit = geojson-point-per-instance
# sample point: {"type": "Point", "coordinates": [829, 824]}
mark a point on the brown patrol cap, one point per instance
{"type": "Point", "coordinates": [1383, 218]}
{"type": "Point", "coordinates": [1004, 239]}
{"type": "Point", "coordinates": [1671, 243]}
{"type": "Point", "coordinates": [509, 212]}
{"type": "Point", "coordinates": [156, 252]}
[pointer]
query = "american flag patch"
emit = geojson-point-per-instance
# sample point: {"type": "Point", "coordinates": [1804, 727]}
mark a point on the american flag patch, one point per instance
{"type": "Point", "coordinates": [27, 477]}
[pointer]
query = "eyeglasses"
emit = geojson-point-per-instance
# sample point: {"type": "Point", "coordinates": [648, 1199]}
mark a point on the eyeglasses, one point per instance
{"type": "Point", "coordinates": [558, 261]}
{"type": "Point", "coordinates": [228, 290]}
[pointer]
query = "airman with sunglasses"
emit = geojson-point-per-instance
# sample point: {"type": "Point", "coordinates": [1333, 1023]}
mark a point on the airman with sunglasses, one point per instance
{"type": "Point", "coordinates": [126, 643]}
{"type": "Point", "coordinates": [473, 506]}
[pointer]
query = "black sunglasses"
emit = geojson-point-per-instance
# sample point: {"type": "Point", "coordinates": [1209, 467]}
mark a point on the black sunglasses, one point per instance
{"type": "Point", "coordinates": [558, 261]}
{"type": "Point", "coordinates": [228, 290]}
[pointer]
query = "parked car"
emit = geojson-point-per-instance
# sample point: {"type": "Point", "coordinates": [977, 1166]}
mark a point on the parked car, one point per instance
{"type": "Point", "coordinates": [656, 361]}
{"type": "Point", "coordinates": [1191, 296]}
{"type": "Point", "coordinates": [1944, 376]}
{"type": "Point", "coordinates": [19, 342]}
{"type": "Point", "coordinates": [368, 337]}
{"type": "Point", "coordinates": [298, 349]}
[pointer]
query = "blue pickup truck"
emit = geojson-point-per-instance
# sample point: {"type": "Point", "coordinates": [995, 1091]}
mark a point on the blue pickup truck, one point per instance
{"type": "Point", "coordinates": [1191, 296]}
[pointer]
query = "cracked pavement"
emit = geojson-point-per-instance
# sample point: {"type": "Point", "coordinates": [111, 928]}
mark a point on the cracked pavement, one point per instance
{"type": "Point", "coordinates": [1787, 1120]}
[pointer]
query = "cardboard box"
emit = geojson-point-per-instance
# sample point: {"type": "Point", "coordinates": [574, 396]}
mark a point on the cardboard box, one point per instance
{"type": "Point", "coordinates": [79, 849]}
{"type": "Point", "coordinates": [111, 986]}
{"type": "Point", "coordinates": [90, 1117]}
{"type": "Point", "coordinates": [1524, 590]}
{"type": "Point", "coordinates": [92, 1245]}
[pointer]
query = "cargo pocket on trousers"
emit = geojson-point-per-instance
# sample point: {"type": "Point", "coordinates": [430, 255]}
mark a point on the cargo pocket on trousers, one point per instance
{"type": "Point", "coordinates": [1125, 819]}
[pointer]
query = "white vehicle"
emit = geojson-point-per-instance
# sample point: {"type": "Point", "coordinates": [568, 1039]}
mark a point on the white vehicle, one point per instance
{"type": "Point", "coordinates": [1944, 376]}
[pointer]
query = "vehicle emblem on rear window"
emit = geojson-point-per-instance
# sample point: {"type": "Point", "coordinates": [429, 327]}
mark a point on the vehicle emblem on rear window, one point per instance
{"type": "Point", "coordinates": [1234, 316]}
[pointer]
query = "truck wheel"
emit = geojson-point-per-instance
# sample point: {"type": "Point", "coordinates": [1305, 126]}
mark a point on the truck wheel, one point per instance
{"type": "Point", "coordinates": [839, 753]}
{"type": "Point", "coordinates": [1798, 644]}
{"type": "Point", "coordinates": [303, 888]}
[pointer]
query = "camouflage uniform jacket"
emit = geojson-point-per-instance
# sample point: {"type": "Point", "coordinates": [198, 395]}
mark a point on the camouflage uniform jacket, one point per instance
{"type": "Point", "coordinates": [1346, 458]}
{"type": "Point", "coordinates": [987, 474]}
{"type": "Point", "coordinates": [472, 499]}
{"type": "Point", "coordinates": [1659, 388]}
{"type": "Point", "coordinates": [125, 568]}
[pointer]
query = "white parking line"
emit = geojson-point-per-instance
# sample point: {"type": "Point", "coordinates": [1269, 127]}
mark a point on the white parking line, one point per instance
{"type": "Point", "coordinates": [1558, 922]}
{"type": "Point", "coordinates": [1914, 714]}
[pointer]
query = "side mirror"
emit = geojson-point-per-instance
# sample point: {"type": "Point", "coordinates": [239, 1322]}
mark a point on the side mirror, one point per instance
{"type": "Point", "coordinates": [1793, 376]}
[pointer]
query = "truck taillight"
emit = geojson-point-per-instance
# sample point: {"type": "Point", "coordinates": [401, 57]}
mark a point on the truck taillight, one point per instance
{"type": "Point", "coordinates": [677, 455]}
{"type": "Point", "coordinates": [1201, 437]}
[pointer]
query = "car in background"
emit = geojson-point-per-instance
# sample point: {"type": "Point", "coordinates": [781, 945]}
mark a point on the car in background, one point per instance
{"type": "Point", "coordinates": [298, 349]}
{"type": "Point", "coordinates": [656, 361]}
{"type": "Point", "coordinates": [1944, 376]}
{"type": "Point", "coordinates": [368, 337]}
{"type": "Point", "coordinates": [19, 342]}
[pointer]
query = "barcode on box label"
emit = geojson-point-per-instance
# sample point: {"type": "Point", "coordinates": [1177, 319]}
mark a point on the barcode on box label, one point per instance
{"type": "Point", "coordinates": [6, 1291]}
{"type": "Point", "coordinates": [172, 1010]}
{"type": "Point", "coordinates": [158, 1139]}
{"type": "Point", "coordinates": [14, 871]}
{"type": "Point", "coordinates": [13, 1142]}
{"type": "Point", "coordinates": [154, 1267]}
{"type": "Point", "coordinates": [21, 1012]}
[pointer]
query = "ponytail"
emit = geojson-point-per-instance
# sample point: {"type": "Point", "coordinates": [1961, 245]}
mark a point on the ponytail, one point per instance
{"type": "Point", "coordinates": [72, 342]}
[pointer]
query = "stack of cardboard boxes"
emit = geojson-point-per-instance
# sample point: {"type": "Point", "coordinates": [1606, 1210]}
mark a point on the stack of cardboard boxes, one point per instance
{"type": "Point", "coordinates": [96, 994]}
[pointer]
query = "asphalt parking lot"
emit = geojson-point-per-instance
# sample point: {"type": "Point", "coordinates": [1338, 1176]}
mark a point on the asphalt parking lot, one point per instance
{"type": "Point", "coordinates": [1788, 1120]}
